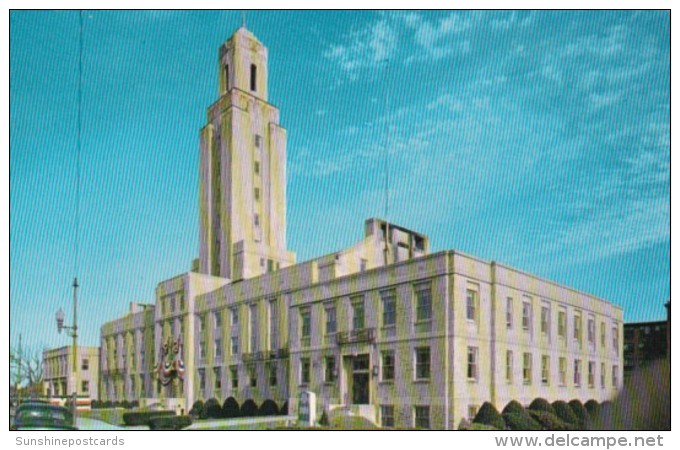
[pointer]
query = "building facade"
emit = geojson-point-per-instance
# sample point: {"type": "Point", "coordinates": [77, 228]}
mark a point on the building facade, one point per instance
{"type": "Point", "coordinates": [58, 374]}
{"type": "Point", "coordinates": [384, 329]}
{"type": "Point", "coordinates": [643, 343]}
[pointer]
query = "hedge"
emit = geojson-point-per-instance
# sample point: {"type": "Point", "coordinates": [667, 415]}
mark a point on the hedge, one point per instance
{"type": "Point", "coordinates": [584, 421]}
{"type": "Point", "coordinates": [143, 417]}
{"type": "Point", "coordinates": [284, 409]}
{"type": "Point", "coordinates": [514, 407]}
{"type": "Point", "coordinates": [519, 422]}
{"type": "Point", "coordinates": [541, 404]}
{"type": "Point", "coordinates": [488, 415]}
{"type": "Point", "coordinates": [197, 409]}
{"type": "Point", "coordinates": [550, 421]}
{"type": "Point", "coordinates": [211, 409]}
{"type": "Point", "coordinates": [169, 423]}
{"type": "Point", "coordinates": [230, 408]}
{"type": "Point", "coordinates": [268, 408]}
{"type": "Point", "coordinates": [592, 406]}
{"type": "Point", "coordinates": [249, 408]}
{"type": "Point", "coordinates": [564, 412]}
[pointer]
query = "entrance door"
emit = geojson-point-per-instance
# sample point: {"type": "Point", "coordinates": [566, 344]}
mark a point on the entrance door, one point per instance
{"type": "Point", "coordinates": [360, 380]}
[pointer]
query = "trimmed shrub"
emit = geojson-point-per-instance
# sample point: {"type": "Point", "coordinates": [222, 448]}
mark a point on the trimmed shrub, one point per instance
{"type": "Point", "coordinates": [488, 415]}
{"type": "Point", "coordinates": [143, 417]}
{"type": "Point", "coordinates": [211, 409]}
{"type": "Point", "coordinates": [550, 421]}
{"type": "Point", "coordinates": [584, 422]}
{"type": "Point", "coordinates": [197, 409]}
{"type": "Point", "coordinates": [134, 404]}
{"type": "Point", "coordinates": [284, 409]}
{"type": "Point", "coordinates": [249, 408]}
{"type": "Point", "coordinates": [564, 412]}
{"type": "Point", "coordinates": [170, 423]}
{"type": "Point", "coordinates": [541, 404]}
{"type": "Point", "coordinates": [520, 422]}
{"type": "Point", "coordinates": [94, 404]}
{"type": "Point", "coordinates": [125, 404]}
{"type": "Point", "coordinates": [268, 408]}
{"type": "Point", "coordinates": [323, 421]}
{"type": "Point", "coordinates": [514, 407]}
{"type": "Point", "coordinates": [592, 406]}
{"type": "Point", "coordinates": [230, 408]}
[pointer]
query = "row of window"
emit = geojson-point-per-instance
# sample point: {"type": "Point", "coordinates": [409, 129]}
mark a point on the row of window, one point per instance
{"type": "Point", "coordinates": [420, 414]}
{"type": "Point", "coordinates": [422, 368]}
{"type": "Point", "coordinates": [545, 323]}
{"type": "Point", "coordinates": [253, 77]}
{"type": "Point", "coordinates": [271, 373]}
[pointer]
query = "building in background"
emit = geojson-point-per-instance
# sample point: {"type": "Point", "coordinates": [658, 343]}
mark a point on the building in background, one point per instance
{"type": "Point", "coordinates": [58, 373]}
{"type": "Point", "coordinates": [643, 343]}
{"type": "Point", "coordinates": [384, 329]}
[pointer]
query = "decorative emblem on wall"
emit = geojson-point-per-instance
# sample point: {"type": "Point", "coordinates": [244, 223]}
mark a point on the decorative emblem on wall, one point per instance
{"type": "Point", "coordinates": [170, 363]}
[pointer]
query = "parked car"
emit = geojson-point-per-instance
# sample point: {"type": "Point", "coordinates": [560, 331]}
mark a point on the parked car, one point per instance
{"type": "Point", "coordinates": [42, 416]}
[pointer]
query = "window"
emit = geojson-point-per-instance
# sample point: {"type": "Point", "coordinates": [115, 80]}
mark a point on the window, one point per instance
{"type": "Point", "coordinates": [508, 366]}
{"type": "Point", "coordinates": [545, 320]}
{"type": "Point", "coordinates": [234, 316]}
{"type": "Point", "coordinates": [387, 415]}
{"type": "Point", "coordinates": [252, 375]}
{"type": "Point", "coordinates": [233, 374]}
{"type": "Point", "coordinates": [363, 263]}
{"type": "Point", "coordinates": [615, 376]}
{"type": "Point", "coordinates": [218, 349]}
{"type": "Point", "coordinates": [471, 304]}
{"type": "Point", "coordinates": [257, 194]}
{"type": "Point", "coordinates": [256, 220]}
{"type": "Point", "coordinates": [472, 363]}
{"type": "Point", "coordinates": [85, 364]}
{"type": "Point", "coordinates": [85, 387]}
{"type": "Point", "coordinates": [253, 77]}
{"type": "Point", "coordinates": [472, 412]}
{"type": "Point", "coordinates": [602, 376]}
{"type": "Point", "coordinates": [305, 323]}
{"type": "Point", "coordinates": [201, 379]}
{"type": "Point", "coordinates": [387, 372]}
{"type": "Point", "coordinates": [603, 334]}
{"type": "Point", "coordinates": [254, 329]}
{"type": "Point", "coordinates": [304, 370]}
{"type": "Point", "coordinates": [218, 378]}
{"type": "Point", "coordinates": [508, 312]}
{"type": "Point", "coordinates": [234, 345]}
{"type": "Point", "coordinates": [273, 378]}
{"type": "Point", "coordinates": [423, 302]}
{"type": "Point", "coordinates": [201, 351]}
{"type": "Point", "coordinates": [577, 372]}
{"type": "Point", "coordinates": [563, 371]}
{"type": "Point", "coordinates": [273, 325]}
{"type": "Point", "coordinates": [258, 141]}
{"type": "Point", "coordinates": [217, 318]}
{"type": "Point", "coordinates": [181, 302]}
{"type": "Point", "coordinates": [358, 317]}
{"type": "Point", "coordinates": [526, 368]}
{"type": "Point", "coordinates": [201, 323]}
{"type": "Point", "coordinates": [330, 369]}
{"type": "Point", "coordinates": [545, 369]}
{"type": "Point", "coordinates": [577, 327]}
{"type": "Point", "coordinates": [526, 315]}
{"type": "Point", "coordinates": [591, 374]}
{"type": "Point", "coordinates": [591, 331]}
{"type": "Point", "coordinates": [226, 76]}
{"type": "Point", "coordinates": [331, 321]}
{"type": "Point", "coordinates": [172, 304]}
{"type": "Point", "coordinates": [422, 363]}
{"type": "Point", "coordinates": [389, 302]}
{"type": "Point", "coordinates": [256, 167]}
{"type": "Point", "coordinates": [615, 338]}
{"type": "Point", "coordinates": [562, 323]}
{"type": "Point", "coordinates": [422, 417]}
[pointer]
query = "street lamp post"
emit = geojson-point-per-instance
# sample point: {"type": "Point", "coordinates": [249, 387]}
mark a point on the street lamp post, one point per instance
{"type": "Point", "coordinates": [72, 331]}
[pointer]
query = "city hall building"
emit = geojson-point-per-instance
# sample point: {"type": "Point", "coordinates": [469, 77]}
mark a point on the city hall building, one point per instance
{"type": "Point", "coordinates": [384, 329]}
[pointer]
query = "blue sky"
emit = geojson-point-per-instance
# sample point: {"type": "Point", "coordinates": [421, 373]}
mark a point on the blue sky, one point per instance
{"type": "Point", "coordinates": [539, 140]}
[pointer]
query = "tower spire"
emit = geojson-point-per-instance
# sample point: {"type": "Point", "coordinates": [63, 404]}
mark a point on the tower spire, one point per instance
{"type": "Point", "coordinates": [243, 19]}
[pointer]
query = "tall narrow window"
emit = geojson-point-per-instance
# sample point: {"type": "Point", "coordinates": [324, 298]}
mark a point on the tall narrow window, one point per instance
{"type": "Point", "coordinates": [305, 369]}
{"type": "Point", "coordinates": [563, 371]}
{"type": "Point", "coordinates": [254, 329]}
{"type": "Point", "coordinates": [226, 76]}
{"type": "Point", "coordinates": [526, 315]}
{"type": "Point", "coordinates": [577, 327]}
{"type": "Point", "coordinates": [577, 372]}
{"type": "Point", "coordinates": [423, 302]}
{"type": "Point", "coordinates": [389, 301]}
{"type": "Point", "coordinates": [331, 323]}
{"type": "Point", "coordinates": [305, 324]}
{"type": "Point", "coordinates": [422, 363]}
{"type": "Point", "coordinates": [591, 374]}
{"type": "Point", "coordinates": [562, 323]}
{"type": "Point", "coordinates": [253, 77]}
{"type": "Point", "coordinates": [233, 374]}
{"type": "Point", "coordinates": [471, 304]}
{"type": "Point", "coordinates": [472, 357]}
{"type": "Point", "coordinates": [508, 366]}
{"type": "Point", "coordinates": [508, 312]}
{"type": "Point", "coordinates": [387, 366]}
{"type": "Point", "coordinates": [273, 325]}
{"type": "Point", "coordinates": [545, 369]}
{"type": "Point", "coordinates": [358, 316]}
{"type": "Point", "coordinates": [330, 369]}
{"type": "Point", "coordinates": [545, 320]}
{"type": "Point", "coordinates": [526, 368]}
